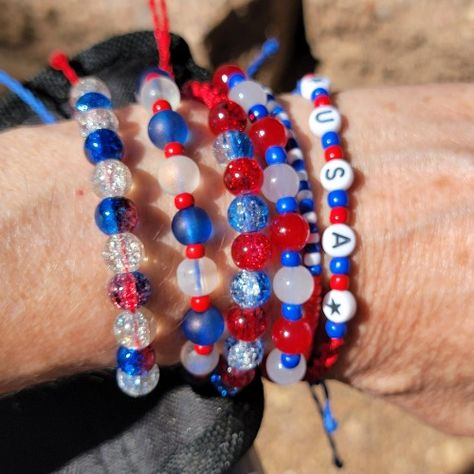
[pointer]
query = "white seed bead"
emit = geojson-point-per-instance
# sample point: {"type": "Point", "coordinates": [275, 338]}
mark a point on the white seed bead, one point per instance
{"type": "Point", "coordinates": [123, 253]}
{"type": "Point", "coordinates": [302, 175]}
{"type": "Point", "coordinates": [311, 259]}
{"type": "Point", "coordinates": [310, 217]}
{"type": "Point", "coordinates": [159, 88]}
{"type": "Point", "coordinates": [247, 94]}
{"type": "Point", "coordinates": [111, 178]}
{"type": "Point", "coordinates": [324, 119]}
{"type": "Point", "coordinates": [135, 330]}
{"type": "Point", "coordinates": [293, 285]}
{"type": "Point", "coordinates": [178, 174]}
{"type": "Point", "coordinates": [339, 306]}
{"type": "Point", "coordinates": [311, 82]}
{"type": "Point", "coordinates": [279, 181]}
{"type": "Point", "coordinates": [294, 154]}
{"type": "Point", "coordinates": [336, 174]}
{"type": "Point", "coordinates": [86, 85]}
{"type": "Point", "coordinates": [138, 385]}
{"type": "Point", "coordinates": [197, 364]}
{"type": "Point", "coordinates": [94, 119]}
{"type": "Point", "coordinates": [282, 375]}
{"type": "Point", "coordinates": [304, 194]}
{"type": "Point", "coordinates": [197, 277]}
{"type": "Point", "coordinates": [338, 240]}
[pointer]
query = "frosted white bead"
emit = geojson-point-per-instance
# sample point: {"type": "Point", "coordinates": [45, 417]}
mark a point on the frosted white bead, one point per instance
{"type": "Point", "coordinates": [138, 385]}
{"type": "Point", "coordinates": [310, 217]}
{"type": "Point", "coordinates": [85, 85]}
{"type": "Point", "coordinates": [123, 253]}
{"type": "Point", "coordinates": [293, 285]}
{"type": "Point", "coordinates": [339, 306]}
{"type": "Point", "coordinates": [178, 174]}
{"type": "Point", "coordinates": [162, 88]}
{"type": "Point", "coordinates": [279, 373]}
{"type": "Point", "coordinates": [247, 94]}
{"type": "Point", "coordinates": [135, 330]}
{"type": "Point", "coordinates": [197, 364]}
{"type": "Point", "coordinates": [311, 82]}
{"type": "Point", "coordinates": [279, 181]}
{"type": "Point", "coordinates": [324, 119]}
{"type": "Point", "coordinates": [94, 119]}
{"type": "Point", "coordinates": [337, 174]}
{"type": "Point", "coordinates": [311, 259]}
{"type": "Point", "coordinates": [338, 240]}
{"type": "Point", "coordinates": [197, 277]}
{"type": "Point", "coordinates": [111, 178]}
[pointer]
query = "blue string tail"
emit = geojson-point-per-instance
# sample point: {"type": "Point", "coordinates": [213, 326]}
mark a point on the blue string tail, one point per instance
{"type": "Point", "coordinates": [269, 48]}
{"type": "Point", "coordinates": [27, 97]}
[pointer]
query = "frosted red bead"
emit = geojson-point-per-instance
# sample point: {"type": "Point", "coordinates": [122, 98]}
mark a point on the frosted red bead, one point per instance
{"type": "Point", "coordinates": [203, 350]}
{"type": "Point", "coordinates": [173, 148]}
{"type": "Point", "coordinates": [267, 132]}
{"type": "Point", "coordinates": [339, 215]}
{"type": "Point", "coordinates": [339, 282]}
{"type": "Point", "coordinates": [246, 324]}
{"type": "Point", "coordinates": [200, 303]}
{"type": "Point", "coordinates": [195, 251]}
{"type": "Point", "coordinates": [160, 105]}
{"type": "Point", "coordinates": [243, 175]}
{"type": "Point", "coordinates": [333, 152]}
{"type": "Point", "coordinates": [222, 74]}
{"type": "Point", "coordinates": [251, 251]}
{"type": "Point", "coordinates": [289, 231]}
{"type": "Point", "coordinates": [149, 359]}
{"type": "Point", "coordinates": [183, 200]}
{"type": "Point", "coordinates": [292, 337]}
{"type": "Point", "coordinates": [227, 116]}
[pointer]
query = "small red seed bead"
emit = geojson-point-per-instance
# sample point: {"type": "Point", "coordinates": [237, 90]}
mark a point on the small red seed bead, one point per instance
{"type": "Point", "coordinates": [322, 100]}
{"type": "Point", "coordinates": [292, 337]}
{"type": "Point", "coordinates": [333, 152]}
{"type": "Point", "coordinates": [195, 251]}
{"type": "Point", "coordinates": [160, 105]}
{"type": "Point", "coordinates": [335, 344]}
{"type": "Point", "coordinates": [183, 200]}
{"type": "Point", "coordinates": [330, 361]}
{"type": "Point", "coordinates": [203, 350]}
{"type": "Point", "coordinates": [173, 148]}
{"type": "Point", "coordinates": [339, 215]}
{"type": "Point", "coordinates": [339, 282]}
{"type": "Point", "coordinates": [200, 303]}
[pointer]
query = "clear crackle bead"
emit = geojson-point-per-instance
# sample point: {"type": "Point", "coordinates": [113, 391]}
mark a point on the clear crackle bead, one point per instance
{"type": "Point", "coordinates": [123, 253]}
{"type": "Point", "coordinates": [94, 119]}
{"type": "Point", "coordinates": [243, 355]}
{"type": "Point", "coordinates": [230, 145]}
{"type": "Point", "coordinates": [250, 289]}
{"type": "Point", "coordinates": [138, 385]}
{"type": "Point", "coordinates": [86, 85]}
{"type": "Point", "coordinates": [135, 330]}
{"type": "Point", "coordinates": [111, 178]}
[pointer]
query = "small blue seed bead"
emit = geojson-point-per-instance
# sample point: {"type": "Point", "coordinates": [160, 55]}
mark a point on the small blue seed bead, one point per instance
{"type": "Point", "coordinates": [103, 144]}
{"type": "Point", "coordinates": [167, 126]}
{"type": "Point", "coordinates": [338, 198]}
{"type": "Point", "coordinates": [340, 266]}
{"type": "Point", "coordinates": [329, 139]}
{"type": "Point", "coordinates": [290, 361]}
{"type": "Point", "coordinates": [304, 185]}
{"type": "Point", "coordinates": [306, 205]}
{"type": "Point", "coordinates": [287, 124]}
{"type": "Point", "coordinates": [257, 112]}
{"type": "Point", "coordinates": [191, 226]}
{"type": "Point", "coordinates": [335, 330]}
{"type": "Point", "coordinates": [130, 360]}
{"type": "Point", "coordinates": [234, 79]}
{"type": "Point", "coordinates": [275, 155]}
{"type": "Point", "coordinates": [315, 270]}
{"type": "Point", "coordinates": [298, 165]}
{"type": "Point", "coordinates": [311, 248]}
{"type": "Point", "coordinates": [248, 213]}
{"type": "Point", "coordinates": [92, 100]}
{"type": "Point", "coordinates": [286, 204]}
{"type": "Point", "coordinates": [290, 258]}
{"type": "Point", "coordinates": [204, 328]}
{"type": "Point", "coordinates": [291, 144]}
{"type": "Point", "coordinates": [317, 92]}
{"type": "Point", "coordinates": [293, 312]}
{"type": "Point", "coordinates": [277, 110]}
{"type": "Point", "coordinates": [114, 215]}
{"type": "Point", "coordinates": [312, 226]}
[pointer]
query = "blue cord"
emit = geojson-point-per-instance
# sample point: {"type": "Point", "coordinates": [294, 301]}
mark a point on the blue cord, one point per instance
{"type": "Point", "coordinates": [269, 48]}
{"type": "Point", "coordinates": [27, 97]}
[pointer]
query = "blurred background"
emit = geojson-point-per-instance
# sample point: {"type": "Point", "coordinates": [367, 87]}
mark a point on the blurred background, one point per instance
{"type": "Point", "coordinates": [358, 43]}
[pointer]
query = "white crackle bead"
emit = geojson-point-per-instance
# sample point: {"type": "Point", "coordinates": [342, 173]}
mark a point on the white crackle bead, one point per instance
{"type": "Point", "coordinates": [336, 174]}
{"type": "Point", "coordinates": [282, 375]}
{"type": "Point", "coordinates": [111, 178]}
{"type": "Point", "coordinates": [339, 306]}
{"type": "Point", "coordinates": [135, 330]}
{"type": "Point", "coordinates": [123, 253]}
{"type": "Point", "coordinates": [138, 385]}
{"type": "Point", "coordinates": [311, 82]}
{"type": "Point", "coordinates": [178, 174]}
{"type": "Point", "coordinates": [93, 119]}
{"type": "Point", "coordinates": [324, 119]}
{"type": "Point", "coordinates": [338, 240]}
{"type": "Point", "coordinates": [84, 86]}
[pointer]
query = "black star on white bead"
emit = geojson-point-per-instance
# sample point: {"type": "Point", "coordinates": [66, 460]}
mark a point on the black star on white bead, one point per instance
{"type": "Point", "coordinates": [334, 306]}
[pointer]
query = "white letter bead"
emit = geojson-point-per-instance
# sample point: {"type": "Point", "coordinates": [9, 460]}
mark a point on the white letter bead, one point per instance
{"type": "Point", "coordinates": [311, 82]}
{"type": "Point", "coordinates": [338, 240]}
{"type": "Point", "coordinates": [336, 174]}
{"type": "Point", "coordinates": [324, 119]}
{"type": "Point", "coordinates": [339, 306]}
{"type": "Point", "coordinates": [178, 174]}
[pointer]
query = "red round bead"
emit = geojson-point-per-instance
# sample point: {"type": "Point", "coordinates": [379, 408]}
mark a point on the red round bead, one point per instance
{"type": "Point", "coordinates": [289, 231]}
{"type": "Point", "coordinates": [222, 74]}
{"type": "Point", "coordinates": [234, 378]}
{"type": "Point", "coordinates": [339, 282]}
{"type": "Point", "coordinates": [251, 251]}
{"type": "Point", "coordinates": [246, 324]}
{"type": "Point", "coordinates": [149, 359]}
{"type": "Point", "coordinates": [195, 250]}
{"type": "Point", "coordinates": [243, 175]}
{"type": "Point", "coordinates": [173, 148]}
{"type": "Point", "coordinates": [338, 215]}
{"type": "Point", "coordinates": [183, 200]}
{"type": "Point", "coordinates": [200, 303]}
{"type": "Point", "coordinates": [333, 152]}
{"type": "Point", "coordinates": [160, 105]}
{"type": "Point", "coordinates": [267, 132]}
{"type": "Point", "coordinates": [203, 350]}
{"type": "Point", "coordinates": [227, 116]}
{"type": "Point", "coordinates": [322, 100]}
{"type": "Point", "coordinates": [292, 337]}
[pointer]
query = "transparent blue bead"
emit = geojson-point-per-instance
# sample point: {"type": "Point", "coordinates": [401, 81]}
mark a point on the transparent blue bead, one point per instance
{"type": "Point", "coordinates": [248, 213]}
{"type": "Point", "coordinates": [243, 355]}
{"type": "Point", "coordinates": [336, 330]}
{"type": "Point", "coordinates": [293, 312]}
{"type": "Point", "coordinates": [204, 328]}
{"type": "Point", "coordinates": [231, 145]}
{"type": "Point", "coordinates": [250, 289]}
{"type": "Point", "coordinates": [340, 265]}
{"type": "Point", "coordinates": [93, 100]}
{"type": "Point", "coordinates": [290, 258]}
{"type": "Point", "coordinates": [286, 204]}
{"type": "Point", "coordinates": [114, 215]}
{"type": "Point", "coordinates": [167, 126]}
{"type": "Point", "coordinates": [130, 360]}
{"type": "Point", "coordinates": [191, 226]}
{"type": "Point", "coordinates": [103, 144]}
{"type": "Point", "coordinates": [275, 155]}
{"type": "Point", "coordinates": [338, 198]}
{"type": "Point", "coordinates": [290, 361]}
{"type": "Point", "coordinates": [329, 139]}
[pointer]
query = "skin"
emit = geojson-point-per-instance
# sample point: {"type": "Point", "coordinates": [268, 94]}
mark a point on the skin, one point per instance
{"type": "Point", "coordinates": [412, 150]}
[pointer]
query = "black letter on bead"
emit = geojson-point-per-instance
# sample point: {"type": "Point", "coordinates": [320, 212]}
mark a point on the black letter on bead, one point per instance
{"type": "Point", "coordinates": [323, 112]}
{"type": "Point", "coordinates": [340, 240]}
{"type": "Point", "coordinates": [334, 173]}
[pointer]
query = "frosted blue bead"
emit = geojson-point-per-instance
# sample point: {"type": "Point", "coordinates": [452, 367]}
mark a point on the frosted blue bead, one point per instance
{"type": "Point", "coordinates": [114, 215]}
{"type": "Point", "coordinates": [250, 289]}
{"type": "Point", "coordinates": [243, 355]}
{"type": "Point", "coordinates": [103, 144]}
{"type": "Point", "coordinates": [248, 213]}
{"type": "Point", "coordinates": [204, 328]}
{"type": "Point", "coordinates": [167, 126]}
{"type": "Point", "coordinates": [191, 226]}
{"type": "Point", "coordinates": [290, 361]}
{"type": "Point", "coordinates": [231, 145]}
{"type": "Point", "coordinates": [93, 100]}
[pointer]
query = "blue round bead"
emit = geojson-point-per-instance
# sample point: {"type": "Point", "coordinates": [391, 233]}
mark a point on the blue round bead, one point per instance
{"type": "Point", "coordinates": [336, 330]}
{"type": "Point", "coordinates": [204, 328]}
{"type": "Point", "coordinates": [103, 144]}
{"type": "Point", "coordinates": [293, 312]}
{"type": "Point", "coordinates": [248, 213]}
{"type": "Point", "coordinates": [329, 139]}
{"type": "Point", "coordinates": [275, 155]}
{"type": "Point", "coordinates": [290, 361]}
{"type": "Point", "coordinates": [257, 112]}
{"type": "Point", "coordinates": [130, 360]}
{"type": "Point", "coordinates": [250, 289]}
{"type": "Point", "coordinates": [340, 265]}
{"type": "Point", "coordinates": [231, 145]}
{"type": "Point", "coordinates": [317, 92]}
{"type": "Point", "coordinates": [167, 126]}
{"type": "Point", "coordinates": [114, 215]}
{"type": "Point", "coordinates": [234, 79]}
{"type": "Point", "coordinates": [290, 258]}
{"type": "Point", "coordinates": [243, 355]}
{"type": "Point", "coordinates": [286, 204]}
{"type": "Point", "coordinates": [338, 198]}
{"type": "Point", "coordinates": [93, 100]}
{"type": "Point", "coordinates": [191, 226]}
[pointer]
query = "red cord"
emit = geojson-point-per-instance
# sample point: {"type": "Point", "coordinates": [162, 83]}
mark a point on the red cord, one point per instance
{"type": "Point", "coordinates": [161, 31]}
{"type": "Point", "coordinates": [59, 61]}
{"type": "Point", "coordinates": [204, 92]}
